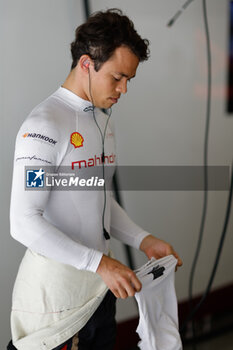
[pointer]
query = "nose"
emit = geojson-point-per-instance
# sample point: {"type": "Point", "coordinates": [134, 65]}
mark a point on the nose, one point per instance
{"type": "Point", "coordinates": [122, 86]}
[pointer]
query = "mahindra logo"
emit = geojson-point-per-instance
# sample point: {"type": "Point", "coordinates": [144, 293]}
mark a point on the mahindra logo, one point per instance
{"type": "Point", "coordinates": [94, 161]}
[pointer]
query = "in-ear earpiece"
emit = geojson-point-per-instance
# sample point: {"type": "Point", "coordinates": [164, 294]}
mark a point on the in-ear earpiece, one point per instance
{"type": "Point", "coordinates": [86, 63]}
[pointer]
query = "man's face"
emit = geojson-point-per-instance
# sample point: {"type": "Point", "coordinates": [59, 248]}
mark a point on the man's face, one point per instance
{"type": "Point", "coordinates": [111, 80]}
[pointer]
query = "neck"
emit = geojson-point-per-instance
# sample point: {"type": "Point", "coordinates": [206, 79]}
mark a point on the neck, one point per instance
{"type": "Point", "coordinates": [75, 84]}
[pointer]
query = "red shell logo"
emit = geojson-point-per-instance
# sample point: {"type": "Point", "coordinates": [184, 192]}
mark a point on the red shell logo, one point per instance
{"type": "Point", "coordinates": [76, 139]}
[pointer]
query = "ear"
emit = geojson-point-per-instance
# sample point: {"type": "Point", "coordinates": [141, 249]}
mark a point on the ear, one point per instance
{"type": "Point", "coordinates": [85, 62]}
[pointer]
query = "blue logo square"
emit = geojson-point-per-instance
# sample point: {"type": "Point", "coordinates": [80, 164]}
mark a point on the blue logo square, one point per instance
{"type": "Point", "coordinates": [35, 178]}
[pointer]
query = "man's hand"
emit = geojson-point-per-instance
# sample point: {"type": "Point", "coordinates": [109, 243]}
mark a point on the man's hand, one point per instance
{"type": "Point", "coordinates": [121, 280]}
{"type": "Point", "coordinates": [154, 247]}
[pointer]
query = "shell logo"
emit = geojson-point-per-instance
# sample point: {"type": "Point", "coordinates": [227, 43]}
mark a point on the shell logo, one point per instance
{"type": "Point", "coordinates": [25, 135]}
{"type": "Point", "coordinates": [76, 139]}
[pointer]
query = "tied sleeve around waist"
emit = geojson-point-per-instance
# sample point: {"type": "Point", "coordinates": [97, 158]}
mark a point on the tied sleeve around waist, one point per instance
{"type": "Point", "coordinates": [51, 302]}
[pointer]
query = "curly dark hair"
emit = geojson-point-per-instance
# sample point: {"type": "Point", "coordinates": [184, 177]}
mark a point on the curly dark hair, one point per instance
{"type": "Point", "coordinates": [102, 33]}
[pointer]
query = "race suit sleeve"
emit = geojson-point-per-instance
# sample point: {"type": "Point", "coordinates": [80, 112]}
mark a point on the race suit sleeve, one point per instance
{"type": "Point", "coordinates": [27, 223]}
{"type": "Point", "coordinates": [123, 228]}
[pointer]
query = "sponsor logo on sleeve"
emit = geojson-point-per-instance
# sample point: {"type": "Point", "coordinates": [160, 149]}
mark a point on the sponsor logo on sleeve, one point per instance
{"type": "Point", "coordinates": [40, 137]}
{"type": "Point", "coordinates": [34, 157]}
{"type": "Point", "coordinates": [76, 139]}
{"type": "Point", "coordinates": [35, 178]}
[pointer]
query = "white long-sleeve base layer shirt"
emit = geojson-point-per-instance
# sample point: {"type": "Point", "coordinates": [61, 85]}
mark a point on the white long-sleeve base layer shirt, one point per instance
{"type": "Point", "coordinates": [61, 228]}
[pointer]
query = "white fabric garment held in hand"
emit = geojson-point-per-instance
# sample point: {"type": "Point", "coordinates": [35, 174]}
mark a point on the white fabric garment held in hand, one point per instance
{"type": "Point", "coordinates": [157, 303]}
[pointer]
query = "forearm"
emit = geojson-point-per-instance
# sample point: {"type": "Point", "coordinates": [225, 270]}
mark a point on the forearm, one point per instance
{"type": "Point", "coordinates": [123, 228]}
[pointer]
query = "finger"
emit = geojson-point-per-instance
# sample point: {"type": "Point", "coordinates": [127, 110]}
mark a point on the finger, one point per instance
{"type": "Point", "coordinates": [179, 261]}
{"type": "Point", "coordinates": [122, 292]}
{"type": "Point", "coordinates": [126, 287]}
{"type": "Point", "coordinates": [136, 283]}
{"type": "Point", "coordinates": [115, 292]}
{"type": "Point", "coordinates": [130, 290]}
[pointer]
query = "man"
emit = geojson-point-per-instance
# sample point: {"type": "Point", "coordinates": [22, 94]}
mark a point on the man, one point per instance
{"type": "Point", "coordinates": [60, 298]}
